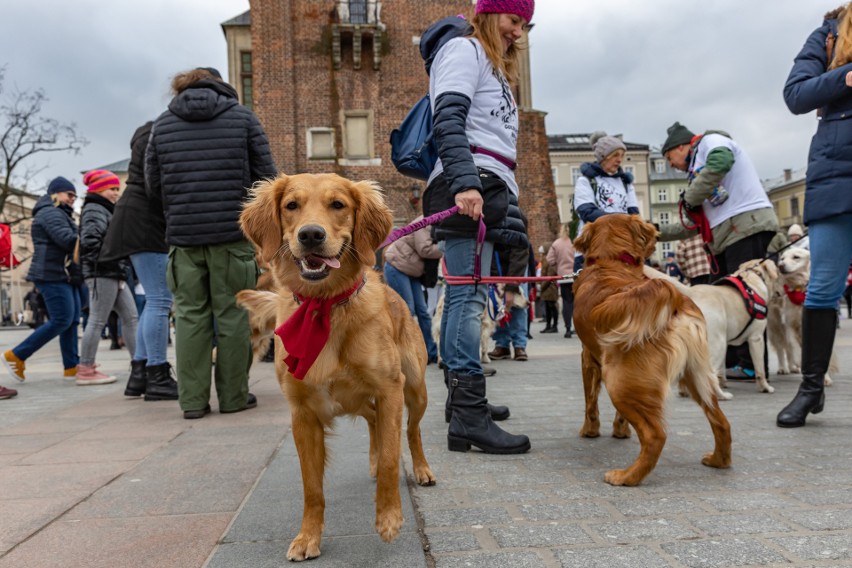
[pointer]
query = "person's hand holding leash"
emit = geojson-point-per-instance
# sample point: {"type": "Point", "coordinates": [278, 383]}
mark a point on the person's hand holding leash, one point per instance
{"type": "Point", "coordinates": [470, 203]}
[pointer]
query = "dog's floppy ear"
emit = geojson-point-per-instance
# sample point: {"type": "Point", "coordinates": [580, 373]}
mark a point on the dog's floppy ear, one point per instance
{"type": "Point", "coordinates": [261, 217]}
{"type": "Point", "coordinates": [650, 233]}
{"type": "Point", "coordinates": [583, 241]}
{"type": "Point", "coordinates": [373, 220]}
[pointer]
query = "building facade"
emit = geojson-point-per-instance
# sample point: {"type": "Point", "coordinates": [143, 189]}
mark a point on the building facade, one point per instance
{"type": "Point", "coordinates": [330, 80]}
{"type": "Point", "coordinates": [787, 194]}
{"type": "Point", "coordinates": [666, 185]}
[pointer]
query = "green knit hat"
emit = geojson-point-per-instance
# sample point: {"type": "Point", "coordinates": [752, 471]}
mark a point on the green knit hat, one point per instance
{"type": "Point", "coordinates": [677, 134]}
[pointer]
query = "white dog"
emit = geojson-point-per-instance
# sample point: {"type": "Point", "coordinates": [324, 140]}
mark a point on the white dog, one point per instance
{"type": "Point", "coordinates": [785, 311]}
{"type": "Point", "coordinates": [728, 320]}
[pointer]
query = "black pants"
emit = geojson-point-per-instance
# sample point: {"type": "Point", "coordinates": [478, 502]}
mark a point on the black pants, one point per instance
{"type": "Point", "coordinates": [749, 248]}
{"type": "Point", "coordinates": [567, 293]}
{"type": "Point", "coordinates": [551, 314]}
{"type": "Point", "coordinates": [848, 295]}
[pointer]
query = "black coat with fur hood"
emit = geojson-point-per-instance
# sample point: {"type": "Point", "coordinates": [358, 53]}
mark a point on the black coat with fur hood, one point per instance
{"type": "Point", "coordinates": [204, 154]}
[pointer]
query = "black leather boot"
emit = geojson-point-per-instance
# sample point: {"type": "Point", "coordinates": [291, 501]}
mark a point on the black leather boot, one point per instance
{"type": "Point", "coordinates": [498, 413]}
{"type": "Point", "coordinates": [471, 424]}
{"type": "Point", "coordinates": [137, 379]}
{"type": "Point", "coordinates": [161, 383]}
{"type": "Point", "coordinates": [818, 328]}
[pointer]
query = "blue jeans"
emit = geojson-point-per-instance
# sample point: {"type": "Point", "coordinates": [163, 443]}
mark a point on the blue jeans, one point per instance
{"type": "Point", "coordinates": [831, 249]}
{"type": "Point", "coordinates": [515, 333]}
{"type": "Point", "coordinates": [412, 292]}
{"type": "Point", "coordinates": [63, 310]}
{"type": "Point", "coordinates": [152, 335]}
{"type": "Point", "coordinates": [463, 305]}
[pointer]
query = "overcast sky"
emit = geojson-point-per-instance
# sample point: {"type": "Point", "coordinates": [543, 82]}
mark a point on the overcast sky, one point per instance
{"type": "Point", "coordinates": [624, 66]}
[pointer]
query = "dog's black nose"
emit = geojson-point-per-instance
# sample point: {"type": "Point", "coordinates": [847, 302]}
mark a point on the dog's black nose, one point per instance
{"type": "Point", "coordinates": [311, 236]}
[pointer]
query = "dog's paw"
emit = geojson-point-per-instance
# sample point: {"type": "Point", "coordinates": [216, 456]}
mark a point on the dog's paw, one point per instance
{"type": "Point", "coordinates": [424, 476]}
{"type": "Point", "coordinates": [620, 477]}
{"type": "Point", "coordinates": [784, 371]}
{"type": "Point", "coordinates": [713, 460]}
{"type": "Point", "coordinates": [590, 429]}
{"type": "Point", "coordinates": [303, 547]}
{"type": "Point", "coordinates": [485, 358]}
{"type": "Point", "coordinates": [764, 386]}
{"type": "Point", "coordinates": [827, 382]}
{"type": "Point", "coordinates": [723, 395]}
{"type": "Point", "coordinates": [794, 370]}
{"type": "Point", "coordinates": [388, 524]}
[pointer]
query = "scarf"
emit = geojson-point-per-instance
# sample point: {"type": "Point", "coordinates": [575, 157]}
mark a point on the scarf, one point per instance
{"type": "Point", "coordinates": [306, 332]}
{"type": "Point", "coordinates": [796, 295]}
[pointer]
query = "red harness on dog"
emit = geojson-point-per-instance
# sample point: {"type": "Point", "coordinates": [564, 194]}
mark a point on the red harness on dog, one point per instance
{"type": "Point", "coordinates": [306, 332]}
{"type": "Point", "coordinates": [755, 305]}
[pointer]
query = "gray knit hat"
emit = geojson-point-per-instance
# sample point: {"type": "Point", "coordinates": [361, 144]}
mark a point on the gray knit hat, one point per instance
{"type": "Point", "coordinates": [604, 145]}
{"type": "Point", "coordinates": [677, 134]}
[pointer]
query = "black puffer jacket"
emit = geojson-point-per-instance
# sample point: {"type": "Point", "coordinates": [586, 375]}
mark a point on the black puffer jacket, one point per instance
{"type": "Point", "coordinates": [94, 221]}
{"type": "Point", "coordinates": [54, 235]}
{"type": "Point", "coordinates": [203, 155]}
{"type": "Point", "coordinates": [138, 224]}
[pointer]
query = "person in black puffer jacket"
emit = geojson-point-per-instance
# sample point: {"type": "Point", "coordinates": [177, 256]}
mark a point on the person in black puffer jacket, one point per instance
{"type": "Point", "coordinates": [472, 68]}
{"type": "Point", "coordinates": [138, 231]}
{"type": "Point", "coordinates": [54, 235]}
{"type": "Point", "coordinates": [106, 280]}
{"type": "Point", "coordinates": [204, 153]}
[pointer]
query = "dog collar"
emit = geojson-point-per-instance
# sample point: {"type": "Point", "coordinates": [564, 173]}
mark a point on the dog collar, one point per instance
{"type": "Point", "coordinates": [306, 332]}
{"type": "Point", "coordinates": [624, 257]}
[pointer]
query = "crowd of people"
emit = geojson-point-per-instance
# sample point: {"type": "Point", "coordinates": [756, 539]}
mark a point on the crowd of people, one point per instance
{"type": "Point", "coordinates": [191, 252]}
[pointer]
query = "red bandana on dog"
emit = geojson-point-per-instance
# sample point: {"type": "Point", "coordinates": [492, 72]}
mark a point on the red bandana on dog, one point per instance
{"type": "Point", "coordinates": [796, 295]}
{"type": "Point", "coordinates": [306, 332]}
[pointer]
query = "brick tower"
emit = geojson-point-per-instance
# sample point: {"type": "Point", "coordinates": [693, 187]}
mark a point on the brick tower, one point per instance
{"type": "Point", "coordinates": [333, 78]}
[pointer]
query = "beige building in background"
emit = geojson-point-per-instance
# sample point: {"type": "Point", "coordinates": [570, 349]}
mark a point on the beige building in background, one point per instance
{"type": "Point", "coordinates": [787, 194]}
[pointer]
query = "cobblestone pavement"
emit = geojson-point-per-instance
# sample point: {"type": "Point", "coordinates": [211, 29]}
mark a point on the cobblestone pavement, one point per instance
{"type": "Point", "coordinates": [94, 479]}
{"type": "Point", "coordinates": [786, 501]}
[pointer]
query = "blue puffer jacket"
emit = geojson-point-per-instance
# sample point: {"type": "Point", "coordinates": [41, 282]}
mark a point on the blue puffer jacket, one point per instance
{"type": "Point", "coordinates": [810, 87]}
{"type": "Point", "coordinates": [54, 235]}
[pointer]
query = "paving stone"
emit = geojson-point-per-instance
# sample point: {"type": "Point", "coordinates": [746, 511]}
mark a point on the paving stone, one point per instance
{"type": "Point", "coordinates": [723, 552]}
{"type": "Point", "coordinates": [728, 524]}
{"type": "Point", "coordinates": [467, 517]}
{"type": "Point", "coordinates": [655, 506]}
{"type": "Point", "coordinates": [637, 531]}
{"type": "Point", "coordinates": [540, 535]}
{"type": "Point", "coordinates": [623, 556]}
{"type": "Point", "coordinates": [574, 511]}
{"type": "Point", "coordinates": [821, 520]}
{"type": "Point", "coordinates": [818, 547]}
{"type": "Point", "coordinates": [747, 501]}
{"type": "Point", "coordinates": [452, 541]}
{"type": "Point", "coordinates": [500, 560]}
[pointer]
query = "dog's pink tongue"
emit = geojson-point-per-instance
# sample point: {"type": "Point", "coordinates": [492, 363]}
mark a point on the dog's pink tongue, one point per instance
{"type": "Point", "coordinates": [330, 262]}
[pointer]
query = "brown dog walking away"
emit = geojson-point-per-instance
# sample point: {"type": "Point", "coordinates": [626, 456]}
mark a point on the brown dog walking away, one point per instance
{"type": "Point", "coordinates": [639, 337]}
{"type": "Point", "coordinates": [319, 234]}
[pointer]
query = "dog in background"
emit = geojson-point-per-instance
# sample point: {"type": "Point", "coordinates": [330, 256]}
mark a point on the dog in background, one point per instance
{"type": "Point", "coordinates": [785, 312]}
{"type": "Point", "coordinates": [319, 233]}
{"type": "Point", "coordinates": [640, 336]}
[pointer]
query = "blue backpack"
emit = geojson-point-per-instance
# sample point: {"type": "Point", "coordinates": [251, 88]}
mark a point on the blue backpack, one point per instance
{"type": "Point", "coordinates": [413, 149]}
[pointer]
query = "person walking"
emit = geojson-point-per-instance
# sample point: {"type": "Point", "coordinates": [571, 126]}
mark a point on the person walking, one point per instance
{"type": "Point", "coordinates": [561, 257]}
{"type": "Point", "coordinates": [138, 231]}
{"type": "Point", "coordinates": [471, 72]}
{"type": "Point", "coordinates": [550, 294]}
{"type": "Point", "coordinates": [403, 268]}
{"type": "Point", "coordinates": [604, 187]}
{"type": "Point", "coordinates": [511, 332]}
{"type": "Point", "coordinates": [52, 270]}
{"type": "Point", "coordinates": [204, 154]}
{"type": "Point", "coordinates": [821, 80]}
{"type": "Point", "coordinates": [724, 190]}
{"type": "Point", "coordinates": [106, 280]}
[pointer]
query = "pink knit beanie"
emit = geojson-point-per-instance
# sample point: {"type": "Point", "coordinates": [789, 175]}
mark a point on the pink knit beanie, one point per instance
{"type": "Point", "coordinates": [99, 180]}
{"type": "Point", "coordinates": [522, 8]}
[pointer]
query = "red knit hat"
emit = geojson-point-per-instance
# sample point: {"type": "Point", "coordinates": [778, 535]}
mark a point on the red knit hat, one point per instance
{"type": "Point", "coordinates": [522, 8]}
{"type": "Point", "coordinates": [99, 180]}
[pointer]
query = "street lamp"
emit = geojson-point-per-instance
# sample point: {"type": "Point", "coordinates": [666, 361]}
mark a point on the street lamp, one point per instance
{"type": "Point", "coordinates": [415, 195]}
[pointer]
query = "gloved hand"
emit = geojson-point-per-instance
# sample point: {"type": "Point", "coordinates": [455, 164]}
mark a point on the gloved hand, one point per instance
{"type": "Point", "coordinates": [686, 204]}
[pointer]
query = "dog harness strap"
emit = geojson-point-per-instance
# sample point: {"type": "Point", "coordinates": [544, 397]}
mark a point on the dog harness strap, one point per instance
{"type": "Point", "coordinates": [306, 332]}
{"type": "Point", "coordinates": [755, 305]}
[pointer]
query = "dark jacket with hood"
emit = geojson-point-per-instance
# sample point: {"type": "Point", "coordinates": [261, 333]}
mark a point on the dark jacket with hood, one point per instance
{"type": "Point", "coordinates": [204, 153]}
{"type": "Point", "coordinates": [811, 86]}
{"type": "Point", "coordinates": [502, 217]}
{"type": "Point", "coordinates": [95, 219]}
{"type": "Point", "coordinates": [138, 224]}
{"type": "Point", "coordinates": [54, 235]}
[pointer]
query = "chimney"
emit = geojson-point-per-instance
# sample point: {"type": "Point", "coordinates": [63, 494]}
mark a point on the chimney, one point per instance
{"type": "Point", "coordinates": [788, 174]}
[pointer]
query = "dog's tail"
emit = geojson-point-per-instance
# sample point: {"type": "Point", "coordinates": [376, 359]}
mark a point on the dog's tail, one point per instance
{"type": "Point", "coordinates": [636, 315]}
{"type": "Point", "coordinates": [262, 307]}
